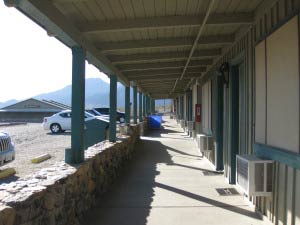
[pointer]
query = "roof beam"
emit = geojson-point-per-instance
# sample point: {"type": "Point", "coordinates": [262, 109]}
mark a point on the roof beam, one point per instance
{"type": "Point", "coordinates": [160, 92]}
{"type": "Point", "coordinates": [163, 22]}
{"type": "Point", "coordinates": [154, 82]}
{"type": "Point", "coordinates": [158, 88]}
{"type": "Point", "coordinates": [155, 85]}
{"type": "Point", "coordinates": [160, 96]}
{"type": "Point", "coordinates": [164, 65]}
{"type": "Point", "coordinates": [164, 43]}
{"type": "Point", "coordinates": [164, 79]}
{"type": "Point", "coordinates": [68, 1]}
{"type": "Point", "coordinates": [162, 76]}
{"type": "Point", "coordinates": [166, 91]}
{"type": "Point", "coordinates": [163, 72]}
{"type": "Point", "coordinates": [167, 56]}
{"type": "Point", "coordinates": [157, 92]}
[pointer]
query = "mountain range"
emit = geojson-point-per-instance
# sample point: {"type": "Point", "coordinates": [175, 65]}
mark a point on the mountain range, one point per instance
{"type": "Point", "coordinates": [96, 95]}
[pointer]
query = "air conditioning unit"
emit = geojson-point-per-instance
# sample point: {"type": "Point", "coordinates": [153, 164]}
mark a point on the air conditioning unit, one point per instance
{"type": "Point", "coordinates": [205, 143]}
{"type": "Point", "coordinates": [190, 125]}
{"type": "Point", "coordinates": [254, 175]}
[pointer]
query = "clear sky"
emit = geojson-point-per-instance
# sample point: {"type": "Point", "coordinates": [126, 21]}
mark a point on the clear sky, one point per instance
{"type": "Point", "coordinates": [31, 62]}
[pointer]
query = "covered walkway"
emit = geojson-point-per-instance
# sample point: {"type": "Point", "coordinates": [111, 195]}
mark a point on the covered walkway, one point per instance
{"type": "Point", "coordinates": [222, 63]}
{"type": "Point", "coordinates": [168, 183]}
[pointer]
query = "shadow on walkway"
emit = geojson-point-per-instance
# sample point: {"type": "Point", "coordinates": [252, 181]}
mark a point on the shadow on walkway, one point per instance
{"type": "Point", "coordinates": [130, 200]}
{"type": "Point", "coordinates": [210, 201]}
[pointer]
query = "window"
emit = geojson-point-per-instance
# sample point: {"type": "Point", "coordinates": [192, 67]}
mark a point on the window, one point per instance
{"type": "Point", "coordinates": [65, 115]}
{"type": "Point", "coordinates": [88, 115]}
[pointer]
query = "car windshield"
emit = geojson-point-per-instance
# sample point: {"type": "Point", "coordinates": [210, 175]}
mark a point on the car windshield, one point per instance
{"type": "Point", "coordinates": [88, 115]}
{"type": "Point", "coordinates": [96, 113]}
{"type": "Point", "coordinates": [92, 112]}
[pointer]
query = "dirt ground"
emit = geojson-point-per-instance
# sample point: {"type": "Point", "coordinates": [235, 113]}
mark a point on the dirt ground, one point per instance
{"type": "Point", "coordinates": [32, 140]}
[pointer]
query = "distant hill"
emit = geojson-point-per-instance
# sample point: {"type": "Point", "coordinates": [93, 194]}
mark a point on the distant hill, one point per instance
{"type": "Point", "coordinates": [96, 95]}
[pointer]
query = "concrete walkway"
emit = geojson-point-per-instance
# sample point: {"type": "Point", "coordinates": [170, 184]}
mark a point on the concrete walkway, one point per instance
{"type": "Point", "coordinates": [166, 184]}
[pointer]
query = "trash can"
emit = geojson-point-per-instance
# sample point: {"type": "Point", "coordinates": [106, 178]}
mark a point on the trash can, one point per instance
{"type": "Point", "coordinates": [95, 131]}
{"type": "Point", "coordinates": [155, 122]}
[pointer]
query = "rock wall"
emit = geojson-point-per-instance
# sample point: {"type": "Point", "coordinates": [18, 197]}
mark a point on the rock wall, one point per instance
{"type": "Point", "coordinates": [59, 195]}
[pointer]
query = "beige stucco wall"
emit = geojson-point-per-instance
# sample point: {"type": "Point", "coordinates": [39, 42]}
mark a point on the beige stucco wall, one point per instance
{"type": "Point", "coordinates": [283, 87]}
{"type": "Point", "coordinates": [260, 93]}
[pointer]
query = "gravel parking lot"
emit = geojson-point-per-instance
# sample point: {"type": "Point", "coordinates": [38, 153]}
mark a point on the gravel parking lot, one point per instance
{"type": "Point", "coordinates": [32, 140]}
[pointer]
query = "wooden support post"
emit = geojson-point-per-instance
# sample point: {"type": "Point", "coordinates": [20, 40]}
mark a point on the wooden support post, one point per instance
{"type": "Point", "coordinates": [135, 104]}
{"type": "Point", "coordinates": [148, 105]}
{"type": "Point", "coordinates": [191, 105]}
{"type": "Point", "coordinates": [140, 107]}
{"type": "Point", "coordinates": [219, 123]}
{"type": "Point", "coordinates": [76, 153]}
{"type": "Point", "coordinates": [187, 114]}
{"type": "Point", "coordinates": [127, 105]}
{"type": "Point", "coordinates": [144, 106]}
{"type": "Point", "coordinates": [152, 105]}
{"type": "Point", "coordinates": [113, 108]}
{"type": "Point", "coordinates": [233, 122]}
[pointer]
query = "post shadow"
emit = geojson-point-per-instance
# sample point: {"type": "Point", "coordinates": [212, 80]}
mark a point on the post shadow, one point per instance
{"type": "Point", "coordinates": [210, 201]}
{"type": "Point", "coordinates": [128, 202]}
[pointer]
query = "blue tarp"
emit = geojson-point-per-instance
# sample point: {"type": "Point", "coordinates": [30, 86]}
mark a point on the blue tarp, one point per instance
{"type": "Point", "coordinates": [155, 122]}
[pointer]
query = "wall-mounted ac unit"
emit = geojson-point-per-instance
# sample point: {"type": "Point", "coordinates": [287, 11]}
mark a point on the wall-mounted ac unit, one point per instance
{"type": "Point", "coordinates": [205, 143]}
{"type": "Point", "coordinates": [190, 125]}
{"type": "Point", "coordinates": [254, 175]}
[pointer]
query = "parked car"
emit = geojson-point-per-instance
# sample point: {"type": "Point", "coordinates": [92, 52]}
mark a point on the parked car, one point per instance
{"type": "Point", "coordinates": [61, 121]}
{"type": "Point", "coordinates": [105, 111]}
{"type": "Point", "coordinates": [7, 148]}
{"type": "Point", "coordinates": [96, 113]}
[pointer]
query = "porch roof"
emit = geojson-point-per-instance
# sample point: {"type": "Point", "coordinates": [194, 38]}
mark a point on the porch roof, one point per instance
{"type": "Point", "coordinates": [162, 45]}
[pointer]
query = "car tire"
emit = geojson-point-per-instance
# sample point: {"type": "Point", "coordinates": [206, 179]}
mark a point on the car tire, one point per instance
{"type": "Point", "coordinates": [55, 128]}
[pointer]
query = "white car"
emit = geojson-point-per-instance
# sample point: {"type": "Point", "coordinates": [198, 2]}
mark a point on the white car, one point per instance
{"type": "Point", "coordinates": [7, 148]}
{"type": "Point", "coordinates": [61, 121]}
{"type": "Point", "coordinates": [96, 113]}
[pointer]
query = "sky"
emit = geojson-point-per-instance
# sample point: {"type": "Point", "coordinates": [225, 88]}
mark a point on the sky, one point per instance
{"type": "Point", "coordinates": [31, 62]}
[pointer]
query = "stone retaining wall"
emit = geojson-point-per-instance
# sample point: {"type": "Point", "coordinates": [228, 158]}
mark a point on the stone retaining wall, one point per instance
{"type": "Point", "coordinates": [59, 195]}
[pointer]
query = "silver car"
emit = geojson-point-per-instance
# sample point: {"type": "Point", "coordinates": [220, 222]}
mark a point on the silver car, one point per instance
{"type": "Point", "coordinates": [7, 149]}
